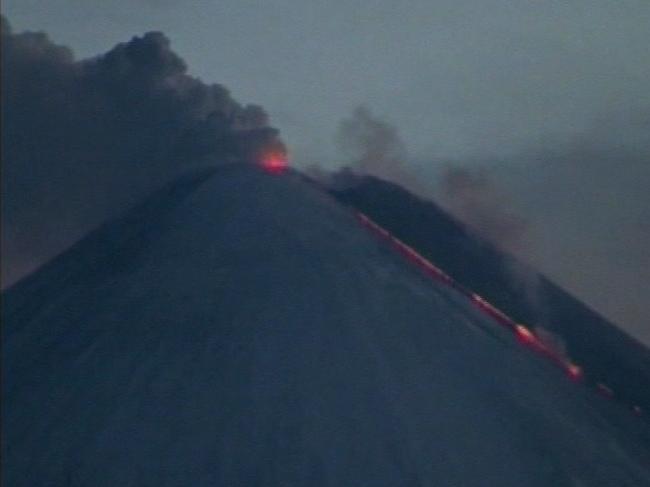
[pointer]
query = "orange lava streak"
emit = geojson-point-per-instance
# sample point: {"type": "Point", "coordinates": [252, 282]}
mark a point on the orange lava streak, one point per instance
{"type": "Point", "coordinates": [274, 162]}
{"type": "Point", "coordinates": [523, 335]}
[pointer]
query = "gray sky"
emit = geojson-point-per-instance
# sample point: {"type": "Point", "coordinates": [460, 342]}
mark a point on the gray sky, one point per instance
{"type": "Point", "coordinates": [549, 95]}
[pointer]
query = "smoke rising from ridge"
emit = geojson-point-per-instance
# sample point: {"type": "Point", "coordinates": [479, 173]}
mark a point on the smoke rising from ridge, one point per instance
{"type": "Point", "coordinates": [83, 139]}
{"type": "Point", "coordinates": [576, 207]}
{"type": "Point", "coordinates": [374, 146]}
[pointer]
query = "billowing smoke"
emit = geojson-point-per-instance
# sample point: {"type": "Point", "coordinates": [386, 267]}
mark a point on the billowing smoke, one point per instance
{"type": "Point", "coordinates": [575, 208]}
{"type": "Point", "coordinates": [373, 146]}
{"type": "Point", "coordinates": [83, 139]}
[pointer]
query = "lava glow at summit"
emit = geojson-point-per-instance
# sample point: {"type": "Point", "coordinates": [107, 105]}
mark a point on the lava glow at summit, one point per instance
{"type": "Point", "coordinates": [275, 161]}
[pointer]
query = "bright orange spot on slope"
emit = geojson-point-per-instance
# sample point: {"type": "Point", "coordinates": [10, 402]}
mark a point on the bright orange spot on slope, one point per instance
{"type": "Point", "coordinates": [574, 372]}
{"type": "Point", "coordinates": [525, 336]}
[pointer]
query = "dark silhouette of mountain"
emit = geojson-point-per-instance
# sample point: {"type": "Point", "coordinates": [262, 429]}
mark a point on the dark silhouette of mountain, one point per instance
{"type": "Point", "coordinates": [243, 328]}
{"type": "Point", "coordinates": [609, 356]}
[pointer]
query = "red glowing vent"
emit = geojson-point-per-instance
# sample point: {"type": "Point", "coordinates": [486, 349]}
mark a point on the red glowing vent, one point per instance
{"type": "Point", "coordinates": [275, 161]}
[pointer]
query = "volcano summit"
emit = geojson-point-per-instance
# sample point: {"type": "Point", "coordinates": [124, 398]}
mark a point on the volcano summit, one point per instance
{"type": "Point", "coordinates": [242, 328]}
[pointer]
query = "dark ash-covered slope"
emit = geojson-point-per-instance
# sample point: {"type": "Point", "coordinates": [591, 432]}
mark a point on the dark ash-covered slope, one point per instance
{"type": "Point", "coordinates": [242, 328]}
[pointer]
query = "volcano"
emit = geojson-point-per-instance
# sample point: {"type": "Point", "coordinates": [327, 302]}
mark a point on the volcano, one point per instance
{"type": "Point", "coordinates": [241, 327]}
{"type": "Point", "coordinates": [614, 363]}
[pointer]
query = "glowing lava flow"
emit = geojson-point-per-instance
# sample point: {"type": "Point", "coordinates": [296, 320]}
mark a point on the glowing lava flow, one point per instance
{"type": "Point", "coordinates": [523, 334]}
{"type": "Point", "coordinates": [275, 161]}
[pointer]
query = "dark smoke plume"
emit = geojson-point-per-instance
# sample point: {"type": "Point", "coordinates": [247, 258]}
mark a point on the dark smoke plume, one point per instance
{"type": "Point", "coordinates": [83, 139]}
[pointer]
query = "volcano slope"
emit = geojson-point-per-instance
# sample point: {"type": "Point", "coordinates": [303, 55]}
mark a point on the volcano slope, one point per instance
{"type": "Point", "coordinates": [609, 356]}
{"type": "Point", "coordinates": [242, 328]}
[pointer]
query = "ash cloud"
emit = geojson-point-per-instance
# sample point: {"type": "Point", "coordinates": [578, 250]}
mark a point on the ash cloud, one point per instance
{"type": "Point", "coordinates": [84, 139]}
